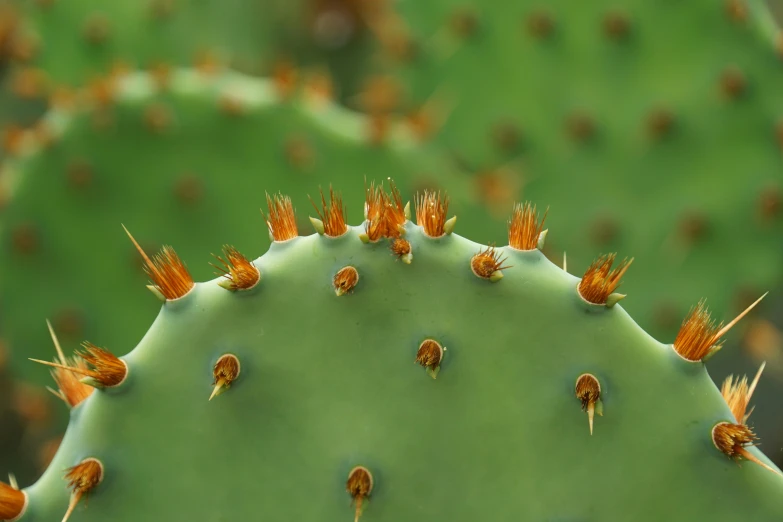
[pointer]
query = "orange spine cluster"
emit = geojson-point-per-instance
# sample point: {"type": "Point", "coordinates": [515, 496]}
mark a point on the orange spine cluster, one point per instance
{"type": "Point", "coordinates": [281, 219]}
{"type": "Point", "coordinates": [359, 486]}
{"type": "Point", "coordinates": [488, 264]}
{"type": "Point", "coordinates": [600, 280]}
{"type": "Point", "coordinates": [107, 371]}
{"type": "Point", "coordinates": [429, 354]}
{"type": "Point", "coordinates": [333, 214]}
{"type": "Point", "coordinates": [431, 211]}
{"type": "Point", "coordinates": [524, 228]}
{"type": "Point", "coordinates": [168, 273]}
{"type": "Point", "coordinates": [225, 372]}
{"type": "Point", "coordinates": [385, 213]}
{"type": "Point", "coordinates": [239, 272]}
{"type": "Point", "coordinates": [82, 479]}
{"type": "Point", "coordinates": [696, 338]}
{"type": "Point", "coordinates": [12, 502]}
{"type": "Point", "coordinates": [69, 388]}
{"type": "Point", "coordinates": [733, 439]}
{"type": "Point", "coordinates": [699, 336]}
{"type": "Point", "coordinates": [345, 280]}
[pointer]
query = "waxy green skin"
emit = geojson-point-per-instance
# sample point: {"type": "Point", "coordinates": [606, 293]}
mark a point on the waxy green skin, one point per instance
{"type": "Point", "coordinates": [718, 158]}
{"type": "Point", "coordinates": [135, 171]}
{"type": "Point", "coordinates": [735, 250]}
{"type": "Point", "coordinates": [330, 382]}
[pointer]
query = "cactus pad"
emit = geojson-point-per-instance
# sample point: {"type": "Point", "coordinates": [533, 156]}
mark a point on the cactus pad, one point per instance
{"type": "Point", "coordinates": [641, 134]}
{"type": "Point", "coordinates": [182, 163]}
{"type": "Point", "coordinates": [333, 415]}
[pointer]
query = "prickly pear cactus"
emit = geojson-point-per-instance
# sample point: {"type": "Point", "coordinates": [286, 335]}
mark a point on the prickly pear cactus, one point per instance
{"type": "Point", "coordinates": [575, 88]}
{"type": "Point", "coordinates": [640, 133]}
{"type": "Point", "coordinates": [195, 152]}
{"type": "Point", "coordinates": [351, 385]}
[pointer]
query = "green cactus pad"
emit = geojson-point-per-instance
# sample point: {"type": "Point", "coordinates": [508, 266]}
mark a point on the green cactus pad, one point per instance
{"type": "Point", "coordinates": [685, 153]}
{"type": "Point", "coordinates": [664, 124]}
{"type": "Point", "coordinates": [329, 383]}
{"type": "Point", "coordinates": [195, 180]}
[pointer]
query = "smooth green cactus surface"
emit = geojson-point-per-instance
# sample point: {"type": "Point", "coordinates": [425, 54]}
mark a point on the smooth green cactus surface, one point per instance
{"type": "Point", "coordinates": [176, 167]}
{"type": "Point", "coordinates": [329, 382]}
{"type": "Point", "coordinates": [649, 128]}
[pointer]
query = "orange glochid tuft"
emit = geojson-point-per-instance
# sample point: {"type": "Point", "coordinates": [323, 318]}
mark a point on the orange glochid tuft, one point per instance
{"type": "Point", "coordinates": [226, 369]}
{"type": "Point", "coordinates": [332, 214]}
{"type": "Point", "coordinates": [599, 280]}
{"type": "Point", "coordinates": [82, 479]}
{"type": "Point", "coordinates": [733, 439]}
{"type": "Point", "coordinates": [588, 390]}
{"type": "Point", "coordinates": [168, 273]}
{"type": "Point", "coordinates": [400, 247]}
{"type": "Point", "coordinates": [69, 388]}
{"type": "Point", "coordinates": [737, 395]}
{"type": "Point", "coordinates": [102, 369]}
{"type": "Point", "coordinates": [696, 338]}
{"type": "Point", "coordinates": [524, 228]}
{"type": "Point", "coordinates": [65, 374]}
{"type": "Point", "coordinates": [487, 263]}
{"type": "Point", "coordinates": [108, 370]}
{"type": "Point", "coordinates": [225, 372]}
{"type": "Point", "coordinates": [385, 212]}
{"type": "Point", "coordinates": [12, 502]}
{"type": "Point", "coordinates": [345, 280]}
{"type": "Point", "coordinates": [431, 210]}
{"type": "Point", "coordinates": [239, 272]}
{"type": "Point", "coordinates": [699, 335]}
{"type": "Point", "coordinates": [430, 354]}
{"type": "Point", "coordinates": [281, 219]}
{"type": "Point", "coordinates": [359, 486]}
